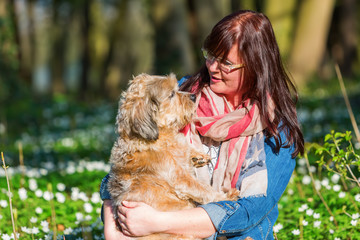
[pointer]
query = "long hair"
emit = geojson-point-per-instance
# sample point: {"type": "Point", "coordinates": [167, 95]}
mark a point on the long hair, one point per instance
{"type": "Point", "coordinates": [264, 73]}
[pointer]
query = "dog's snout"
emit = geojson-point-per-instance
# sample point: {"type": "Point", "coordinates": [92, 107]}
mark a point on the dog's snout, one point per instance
{"type": "Point", "coordinates": [193, 97]}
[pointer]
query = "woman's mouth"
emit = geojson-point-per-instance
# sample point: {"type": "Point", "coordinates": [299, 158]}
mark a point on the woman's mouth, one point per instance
{"type": "Point", "coordinates": [215, 79]}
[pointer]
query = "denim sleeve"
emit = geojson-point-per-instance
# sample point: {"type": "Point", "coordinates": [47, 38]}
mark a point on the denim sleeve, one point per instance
{"type": "Point", "coordinates": [104, 193]}
{"type": "Point", "coordinates": [235, 218]}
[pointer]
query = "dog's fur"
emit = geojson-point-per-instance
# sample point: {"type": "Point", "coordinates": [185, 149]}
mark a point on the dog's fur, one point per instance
{"type": "Point", "coordinates": [151, 161]}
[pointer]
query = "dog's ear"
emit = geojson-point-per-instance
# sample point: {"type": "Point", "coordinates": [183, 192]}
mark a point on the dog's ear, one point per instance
{"type": "Point", "coordinates": [137, 118]}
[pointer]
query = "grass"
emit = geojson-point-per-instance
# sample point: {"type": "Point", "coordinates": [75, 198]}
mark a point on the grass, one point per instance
{"type": "Point", "coordinates": [65, 147]}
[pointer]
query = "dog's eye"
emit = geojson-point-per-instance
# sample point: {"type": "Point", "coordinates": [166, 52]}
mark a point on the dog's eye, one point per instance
{"type": "Point", "coordinates": [172, 94]}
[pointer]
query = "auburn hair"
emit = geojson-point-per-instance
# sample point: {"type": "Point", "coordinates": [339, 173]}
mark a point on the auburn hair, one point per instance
{"type": "Point", "coordinates": [264, 73]}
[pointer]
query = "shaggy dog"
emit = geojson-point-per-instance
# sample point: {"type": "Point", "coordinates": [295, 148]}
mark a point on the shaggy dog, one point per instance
{"type": "Point", "coordinates": [151, 161]}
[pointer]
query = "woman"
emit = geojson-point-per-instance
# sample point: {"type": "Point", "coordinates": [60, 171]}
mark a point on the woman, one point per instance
{"type": "Point", "coordinates": [246, 119]}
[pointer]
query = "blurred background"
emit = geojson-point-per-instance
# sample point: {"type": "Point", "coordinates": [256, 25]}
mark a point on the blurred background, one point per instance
{"type": "Point", "coordinates": [64, 63]}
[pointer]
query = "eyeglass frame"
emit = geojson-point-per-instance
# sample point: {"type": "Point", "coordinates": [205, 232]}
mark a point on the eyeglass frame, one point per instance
{"type": "Point", "coordinates": [209, 57]}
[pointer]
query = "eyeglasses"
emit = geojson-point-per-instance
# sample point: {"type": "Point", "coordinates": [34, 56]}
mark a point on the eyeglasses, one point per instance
{"type": "Point", "coordinates": [224, 65]}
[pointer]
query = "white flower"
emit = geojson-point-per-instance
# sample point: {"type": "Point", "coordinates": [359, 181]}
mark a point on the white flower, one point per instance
{"type": "Point", "coordinates": [295, 232]}
{"type": "Point", "coordinates": [312, 169]}
{"type": "Point", "coordinates": [5, 237]}
{"type": "Point", "coordinates": [337, 238]}
{"type": "Point", "coordinates": [354, 222]}
{"type": "Point", "coordinates": [45, 226]}
{"type": "Point", "coordinates": [33, 219]}
{"type": "Point", "coordinates": [317, 224]}
{"type": "Point", "coordinates": [38, 210]}
{"type": "Point", "coordinates": [32, 184]}
{"type": "Point", "coordinates": [48, 195]}
{"type": "Point", "coordinates": [317, 184]}
{"type": "Point", "coordinates": [26, 230]}
{"type": "Point", "coordinates": [88, 207]}
{"type": "Point", "coordinates": [88, 218]}
{"type": "Point", "coordinates": [68, 230]}
{"type": "Point", "coordinates": [290, 192]}
{"type": "Point", "coordinates": [357, 197]}
{"type": "Point", "coordinates": [95, 197]}
{"type": "Point", "coordinates": [305, 223]}
{"type": "Point", "coordinates": [309, 212]}
{"type": "Point", "coordinates": [83, 196]}
{"type": "Point", "coordinates": [38, 193]}
{"type": "Point", "coordinates": [335, 178]}
{"type": "Point", "coordinates": [61, 187]}
{"type": "Point", "coordinates": [79, 216]}
{"type": "Point", "coordinates": [316, 215]}
{"type": "Point", "coordinates": [277, 227]}
{"type": "Point", "coordinates": [1, 217]}
{"type": "Point", "coordinates": [331, 218]}
{"type": "Point", "coordinates": [325, 182]}
{"type": "Point", "coordinates": [301, 161]}
{"type": "Point", "coordinates": [355, 216]}
{"type": "Point", "coordinates": [303, 208]}
{"type": "Point", "coordinates": [3, 203]}
{"type": "Point", "coordinates": [35, 230]}
{"type": "Point", "coordinates": [331, 231]}
{"type": "Point", "coordinates": [60, 197]}
{"type": "Point", "coordinates": [22, 193]}
{"type": "Point", "coordinates": [336, 188]}
{"type": "Point", "coordinates": [306, 180]}
{"type": "Point", "coordinates": [342, 194]}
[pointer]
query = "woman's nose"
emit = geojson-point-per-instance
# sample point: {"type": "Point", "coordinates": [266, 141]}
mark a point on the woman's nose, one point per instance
{"type": "Point", "coordinates": [213, 65]}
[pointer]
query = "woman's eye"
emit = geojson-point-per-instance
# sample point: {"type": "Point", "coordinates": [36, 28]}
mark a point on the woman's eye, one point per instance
{"type": "Point", "coordinates": [227, 63]}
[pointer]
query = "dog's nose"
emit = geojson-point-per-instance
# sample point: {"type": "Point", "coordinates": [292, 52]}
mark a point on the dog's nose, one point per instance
{"type": "Point", "coordinates": [193, 97]}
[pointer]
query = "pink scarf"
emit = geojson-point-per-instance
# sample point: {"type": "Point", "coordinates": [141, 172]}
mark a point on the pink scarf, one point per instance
{"type": "Point", "coordinates": [216, 123]}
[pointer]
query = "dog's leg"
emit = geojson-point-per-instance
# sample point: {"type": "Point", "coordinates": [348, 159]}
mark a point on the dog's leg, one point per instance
{"type": "Point", "coordinates": [199, 159]}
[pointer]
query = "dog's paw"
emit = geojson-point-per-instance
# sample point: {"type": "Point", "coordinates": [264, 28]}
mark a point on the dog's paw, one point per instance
{"type": "Point", "coordinates": [201, 160]}
{"type": "Point", "coordinates": [233, 194]}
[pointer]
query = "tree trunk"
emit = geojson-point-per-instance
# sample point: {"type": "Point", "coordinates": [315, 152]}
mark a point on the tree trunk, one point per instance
{"type": "Point", "coordinates": [85, 59]}
{"type": "Point", "coordinates": [281, 15]}
{"type": "Point", "coordinates": [310, 39]}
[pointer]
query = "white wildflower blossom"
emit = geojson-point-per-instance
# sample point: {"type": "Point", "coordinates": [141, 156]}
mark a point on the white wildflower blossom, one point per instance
{"type": "Point", "coordinates": [33, 184]}
{"type": "Point", "coordinates": [305, 223]}
{"type": "Point", "coordinates": [357, 197]}
{"type": "Point", "coordinates": [317, 184]}
{"type": "Point", "coordinates": [306, 180]}
{"type": "Point", "coordinates": [355, 216]}
{"type": "Point", "coordinates": [48, 195]}
{"type": "Point", "coordinates": [83, 196]}
{"type": "Point", "coordinates": [26, 230]}
{"type": "Point", "coordinates": [316, 215]}
{"type": "Point", "coordinates": [68, 230]}
{"type": "Point", "coordinates": [303, 208]}
{"type": "Point", "coordinates": [88, 207]}
{"type": "Point", "coordinates": [35, 230]}
{"type": "Point", "coordinates": [3, 203]}
{"type": "Point", "coordinates": [312, 169]}
{"type": "Point", "coordinates": [88, 218]}
{"type": "Point", "coordinates": [61, 187]}
{"type": "Point", "coordinates": [277, 227]}
{"type": "Point", "coordinates": [295, 232]}
{"type": "Point", "coordinates": [336, 188]}
{"type": "Point", "coordinates": [38, 193]}
{"type": "Point", "coordinates": [335, 178]}
{"type": "Point", "coordinates": [5, 237]}
{"type": "Point", "coordinates": [1, 217]}
{"type": "Point", "coordinates": [331, 231]}
{"type": "Point", "coordinates": [290, 192]}
{"type": "Point", "coordinates": [309, 212]}
{"type": "Point", "coordinates": [33, 219]}
{"type": "Point", "coordinates": [342, 194]}
{"type": "Point", "coordinates": [331, 218]}
{"type": "Point", "coordinates": [22, 193]}
{"type": "Point", "coordinates": [301, 161]}
{"type": "Point", "coordinates": [60, 197]}
{"type": "Point", "coordinates": [325, 182]}
{"type": "Point", "coordinates": [354, 222]}
{"type": "Point", "coordinates": [337, 238]}
{"type": "Point", "coordinates": [79, 216]}
{"type": "Point", "coordinates": [38, 210]}
{"type": "Point", "coordinates": [317, 224]}
{"type": "Point", "coordinates": [75, 193]}
{"type": "Point", "coordinates": [95, 197]}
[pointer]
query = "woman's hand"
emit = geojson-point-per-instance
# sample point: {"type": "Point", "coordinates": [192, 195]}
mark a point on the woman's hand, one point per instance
{"type": "Point", "coordinates": [111, 232]}
{"type": "Point", "coordinates": [139, 219]}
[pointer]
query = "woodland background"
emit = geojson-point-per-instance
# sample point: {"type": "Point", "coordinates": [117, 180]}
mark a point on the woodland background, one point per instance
{"type": "Point", "coordinates": [89, 49]}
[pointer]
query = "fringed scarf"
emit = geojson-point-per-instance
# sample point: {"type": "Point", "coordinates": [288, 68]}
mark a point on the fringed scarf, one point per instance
{"type": "Point", "coordinates": [240, 133]}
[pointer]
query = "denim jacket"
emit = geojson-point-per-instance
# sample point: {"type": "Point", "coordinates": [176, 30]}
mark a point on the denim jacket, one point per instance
{"type": "Point", "coordinates": [252, 216]}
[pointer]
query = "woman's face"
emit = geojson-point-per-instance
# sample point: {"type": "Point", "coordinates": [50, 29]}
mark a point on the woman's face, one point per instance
{"type": "Point", "coordinates": [227, 84]}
